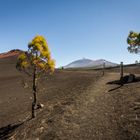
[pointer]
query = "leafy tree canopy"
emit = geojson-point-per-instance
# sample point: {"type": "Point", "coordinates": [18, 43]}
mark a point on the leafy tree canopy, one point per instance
{"type": "Point", "coordinates": [38, 55]}
{"type": "Point", "coordinates": [133, 40]}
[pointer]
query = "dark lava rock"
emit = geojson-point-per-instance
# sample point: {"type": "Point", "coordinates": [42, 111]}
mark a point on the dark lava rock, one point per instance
{"type": "Point", "coordinates": [129, 78]}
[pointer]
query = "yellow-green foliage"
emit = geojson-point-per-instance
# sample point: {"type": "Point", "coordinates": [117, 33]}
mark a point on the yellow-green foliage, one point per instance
{"type": "Point", "coordinates": [133, 40]}
{"type": "Point", "coordinates": [38, 55]}
{"type": "Point", "coordinates": [22, 61]}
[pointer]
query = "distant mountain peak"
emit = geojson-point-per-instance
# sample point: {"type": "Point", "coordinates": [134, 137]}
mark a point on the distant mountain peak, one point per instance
{"type": "Point", "coordinates": [81, 63]}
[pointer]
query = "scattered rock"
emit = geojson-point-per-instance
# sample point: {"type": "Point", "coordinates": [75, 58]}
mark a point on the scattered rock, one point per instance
{"type": "Point", "coordinates": [50, 121]}
{"type": "Point", "coordinates": [26, 85]}
{"type": "Point", "coordinates": [137, 103]}
{"type": "Point", "coordinates": [39, 106]}
{"type": "Point", "coordinates": [66, 103]}
{"type": "Point", "coordinates": [31, 98]}
{"type": "Point", "coordinates": [129, 78]}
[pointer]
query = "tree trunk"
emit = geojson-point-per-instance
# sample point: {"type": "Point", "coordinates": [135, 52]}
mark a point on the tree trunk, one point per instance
{"type": "Point", "coordinates": [34, 93]}
{"type": "Point", "coordinates": [121, 73]}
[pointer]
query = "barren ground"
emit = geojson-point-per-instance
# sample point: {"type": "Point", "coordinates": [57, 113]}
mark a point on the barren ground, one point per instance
{"type": "Point", "coordinates": [79, 105]}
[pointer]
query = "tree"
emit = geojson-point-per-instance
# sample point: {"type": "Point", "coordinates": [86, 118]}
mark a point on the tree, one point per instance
{"type": "Point", "coordinates": [133, 40]}
{"type": "Point", "coordinates": [35, 62]}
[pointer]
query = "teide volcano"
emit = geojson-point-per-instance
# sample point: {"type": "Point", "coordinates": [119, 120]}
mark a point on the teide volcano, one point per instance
{"type": "Point", "coordinates": [82, 63]}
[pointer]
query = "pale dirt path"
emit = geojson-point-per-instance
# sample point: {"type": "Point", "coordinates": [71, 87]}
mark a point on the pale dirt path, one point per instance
{"type": "Point", "coordinates": [99, 120]}
{"type": "Point", "coordinates": [92, 117]}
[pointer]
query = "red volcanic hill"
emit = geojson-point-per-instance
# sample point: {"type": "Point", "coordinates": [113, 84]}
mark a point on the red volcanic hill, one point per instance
{"type": "Point", "coordinates": [11, 53]}
{"type": "Point", "coordinates": [8, 62]}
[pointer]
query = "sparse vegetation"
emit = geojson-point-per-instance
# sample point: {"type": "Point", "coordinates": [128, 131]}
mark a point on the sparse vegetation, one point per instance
{"type": "Point", "coordinates": [36, 61]}
{"type": "Point", "coordinates": [133, 40]}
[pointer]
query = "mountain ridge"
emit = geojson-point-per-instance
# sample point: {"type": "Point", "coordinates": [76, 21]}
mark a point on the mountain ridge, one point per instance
{"type": "Point", "coordinates": [82, 63]}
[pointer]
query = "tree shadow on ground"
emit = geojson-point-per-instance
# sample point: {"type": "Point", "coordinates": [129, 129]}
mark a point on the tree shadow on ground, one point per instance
{"type": "Point", "coordinates": [122, 82]}
{"type": "Point", "coordinates": [6, 131]}
{"type": "Point", "coordinates": [115, 88]}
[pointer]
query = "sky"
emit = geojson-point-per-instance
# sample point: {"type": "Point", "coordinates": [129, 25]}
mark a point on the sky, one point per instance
{"type": "Point", "coordinates": [74, 29]}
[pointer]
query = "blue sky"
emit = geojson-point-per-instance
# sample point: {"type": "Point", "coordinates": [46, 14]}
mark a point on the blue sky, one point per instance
{"type": "Point", "coordinates": [74, 29]}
